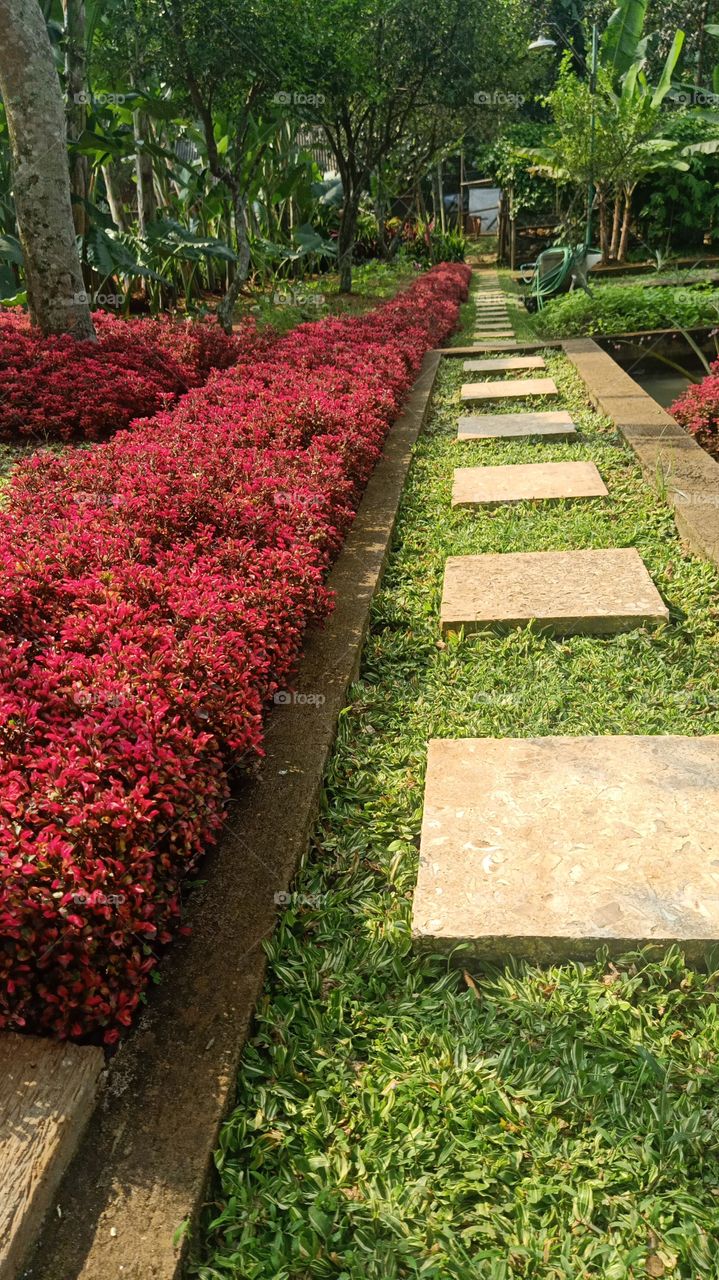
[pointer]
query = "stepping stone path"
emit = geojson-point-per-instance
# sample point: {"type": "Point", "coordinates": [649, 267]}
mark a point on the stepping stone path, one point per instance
{"type": "Point", "coordinates": [509, 389]}
{"type": "Point", "coordinates": [570, 592]}
{"type": "Point", "coordinates": [554, 424]}
{"type": "Point", "coordinates": [503, 366]}
{"type": "Point", "coordinates": [549, 848]}
{"type": "Point", "coordinates": [491, 486]}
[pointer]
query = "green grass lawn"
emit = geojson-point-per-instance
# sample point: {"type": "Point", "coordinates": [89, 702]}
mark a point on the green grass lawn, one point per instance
{"type": "Point", "coordinates": [400, 1118]}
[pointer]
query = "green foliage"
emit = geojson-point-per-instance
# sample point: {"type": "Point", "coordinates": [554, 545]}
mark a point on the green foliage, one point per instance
{"type": "Point", "coordinates": [505, 162]}
{"type": "Point", "coordinates": [621, 40]}
{"type": "Point", "coordinates": [616, 308]}
{"type": "Point", "coordinates": [678, 208]}
{"type": "Point", "coordinates": [430, 245]}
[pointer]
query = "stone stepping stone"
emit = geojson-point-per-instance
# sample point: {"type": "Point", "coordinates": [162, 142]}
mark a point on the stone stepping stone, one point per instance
{"type": "Point", "coordinates": [497, 344]}
{"type": "Point", "coordinates": [533, 482]}
{"type": "Point", "coordinates": [554, 424]}
{"type": "Point", "coordinates": [547, 849]}
{"type": "Point", "coordinates": [509, 389]}
{"type": "Point", "coordinates": [570, 592]}
{"type": "Point", "coordinates": [498, 365]}
{"type": "Point", "coordinates": [496, 332]}
{"type": "Point", "coordinates": [47, 1092]}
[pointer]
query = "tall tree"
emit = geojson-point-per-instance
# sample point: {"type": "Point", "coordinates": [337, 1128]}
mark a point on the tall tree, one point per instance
{"type": "Point", "coordinates": [38, 138]}
{"type": "Point", "coordinates": [368, 70]}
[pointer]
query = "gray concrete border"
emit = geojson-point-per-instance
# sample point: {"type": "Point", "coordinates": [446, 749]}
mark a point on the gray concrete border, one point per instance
{"type": "Point", "coordinates": [143, 1166]}
{"type": "Point", "coordinates": [669, 457]}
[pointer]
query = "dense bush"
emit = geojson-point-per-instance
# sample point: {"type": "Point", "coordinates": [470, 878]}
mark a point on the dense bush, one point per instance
{"type": "Point", "coordinates": [698, 410]}
{"type": "Point", "coordinates": [60, 389]}
{"type": "Point", "coordinates": [428, 244]}
{"type": "Point", "coordinates": [155, 590]}
{"type": "Point", "coordinates": [620, 308]}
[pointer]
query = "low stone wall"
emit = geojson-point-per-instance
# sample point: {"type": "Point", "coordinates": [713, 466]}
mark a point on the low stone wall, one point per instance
{"type": "Point", "coordinates": [668, 456]}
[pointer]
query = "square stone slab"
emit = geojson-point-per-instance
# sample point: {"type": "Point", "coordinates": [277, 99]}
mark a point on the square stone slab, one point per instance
{"type": "Point", "coordinates": [496, 365]}
{"type": "Point", "coordinates": [549, 848]}
{"type": "Point", "coordinates": [555, 424]}
{"type": "Point", "coordinates": [491, 486]}
{"type": "Point", "coordinates": [570, 592]}
{"type": "Point", "coordinates": [509, 389]}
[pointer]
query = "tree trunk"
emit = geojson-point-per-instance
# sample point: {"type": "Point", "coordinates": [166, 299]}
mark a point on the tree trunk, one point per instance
{"type": "Point", "coordinates": [346, 240]}
{"type": "Point", "coordinates": [626, 224]}
{"type": "Point", "coordinates": [616, 225]}
{"type": "Point", "coordinates": [146, 203]}
{"type": "Point", "coordinates": [114, 199]}
{"type": "Point", "coordinates": [603, 226]}
{"type": "Point", "coordinates": [33, 102]}
{"type": "Point", "coordinates": [76, 113]}
{"type": "Point", "coordinates": [226, 309]}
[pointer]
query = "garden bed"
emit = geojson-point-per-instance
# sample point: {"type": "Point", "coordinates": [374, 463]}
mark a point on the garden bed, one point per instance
{"type": "Point", "coordinates": [156, 591]}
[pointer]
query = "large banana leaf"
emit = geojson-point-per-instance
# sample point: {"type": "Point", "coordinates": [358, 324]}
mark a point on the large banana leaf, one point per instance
{"type": "Point", "coordinates": [170, 236]}
{"type": "Point", "coordinates": [621, 39]}
{"type": "Point", "coordinates": [665, 82]}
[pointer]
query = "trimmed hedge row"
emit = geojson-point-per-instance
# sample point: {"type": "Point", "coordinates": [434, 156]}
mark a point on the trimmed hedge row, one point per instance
{"type": "Point", "coordinates": [155, 591]}
{"type": "Point", "coordinates": [59, 389]}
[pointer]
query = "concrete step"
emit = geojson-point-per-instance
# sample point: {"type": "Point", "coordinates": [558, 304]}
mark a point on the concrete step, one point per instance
{"type": "Point", "coordinates": [547, 849]}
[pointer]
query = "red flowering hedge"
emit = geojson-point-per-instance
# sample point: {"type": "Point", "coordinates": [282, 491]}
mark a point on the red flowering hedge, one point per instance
{"type": "Point", "coordinates": [155, 590]}
{"type": "Point", "coordinates": [60, 389]}
{"type": "Point", "coordinates": [698, 410]}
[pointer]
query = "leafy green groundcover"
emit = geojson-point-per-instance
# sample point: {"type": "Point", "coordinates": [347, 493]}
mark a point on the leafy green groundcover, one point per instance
{"type": "Point", "coordinates": [622, 308]}
{"type": "Point", "coordinates": [396, 1119]}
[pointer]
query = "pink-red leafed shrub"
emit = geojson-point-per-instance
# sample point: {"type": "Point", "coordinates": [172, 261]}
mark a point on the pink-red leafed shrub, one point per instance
{"type": "Point", "coordinates": [154, 594]}
{"type": "Point", "coordinates": [697, 410]}
{"type": "Point", "coordinates": [59, 389]}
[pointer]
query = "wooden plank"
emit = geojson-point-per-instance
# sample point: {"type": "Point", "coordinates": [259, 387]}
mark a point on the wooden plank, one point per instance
{"type": "Point", "coordinates": [47, 1093]}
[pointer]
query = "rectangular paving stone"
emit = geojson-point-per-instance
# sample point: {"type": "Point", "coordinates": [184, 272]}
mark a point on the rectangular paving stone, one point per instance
{"type": "Point", "coordinates": [549, 848]}
{"type": "Point", "coordinates": [496, 365]}
{"type": "Point", "coordinates": [509, 388]}
{"type": "Point", "coordinates": [480, 334]}
{"type": "Point", "coordinates": [47, 1092]}
{"type": "Point", "coordinates": [570, 592]}
{"type": "Point", "coordinates": [536, 481]}
{"type": "Point", "coordinates": [555, 424]}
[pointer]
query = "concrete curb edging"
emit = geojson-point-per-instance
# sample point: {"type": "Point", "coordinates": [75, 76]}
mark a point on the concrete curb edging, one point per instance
{"type": "Point", "coordinates": [143, 1165]}
{"type": "Point", "coordinates": [667, 454]}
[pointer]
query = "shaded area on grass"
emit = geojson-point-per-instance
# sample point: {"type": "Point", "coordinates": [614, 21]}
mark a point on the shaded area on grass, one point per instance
{"type": "Point", "coordinates": [396, 1119]}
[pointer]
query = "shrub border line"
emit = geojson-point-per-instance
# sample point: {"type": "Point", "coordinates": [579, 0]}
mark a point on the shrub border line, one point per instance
{"type": "Point", "coordinates": [134, 1191]}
